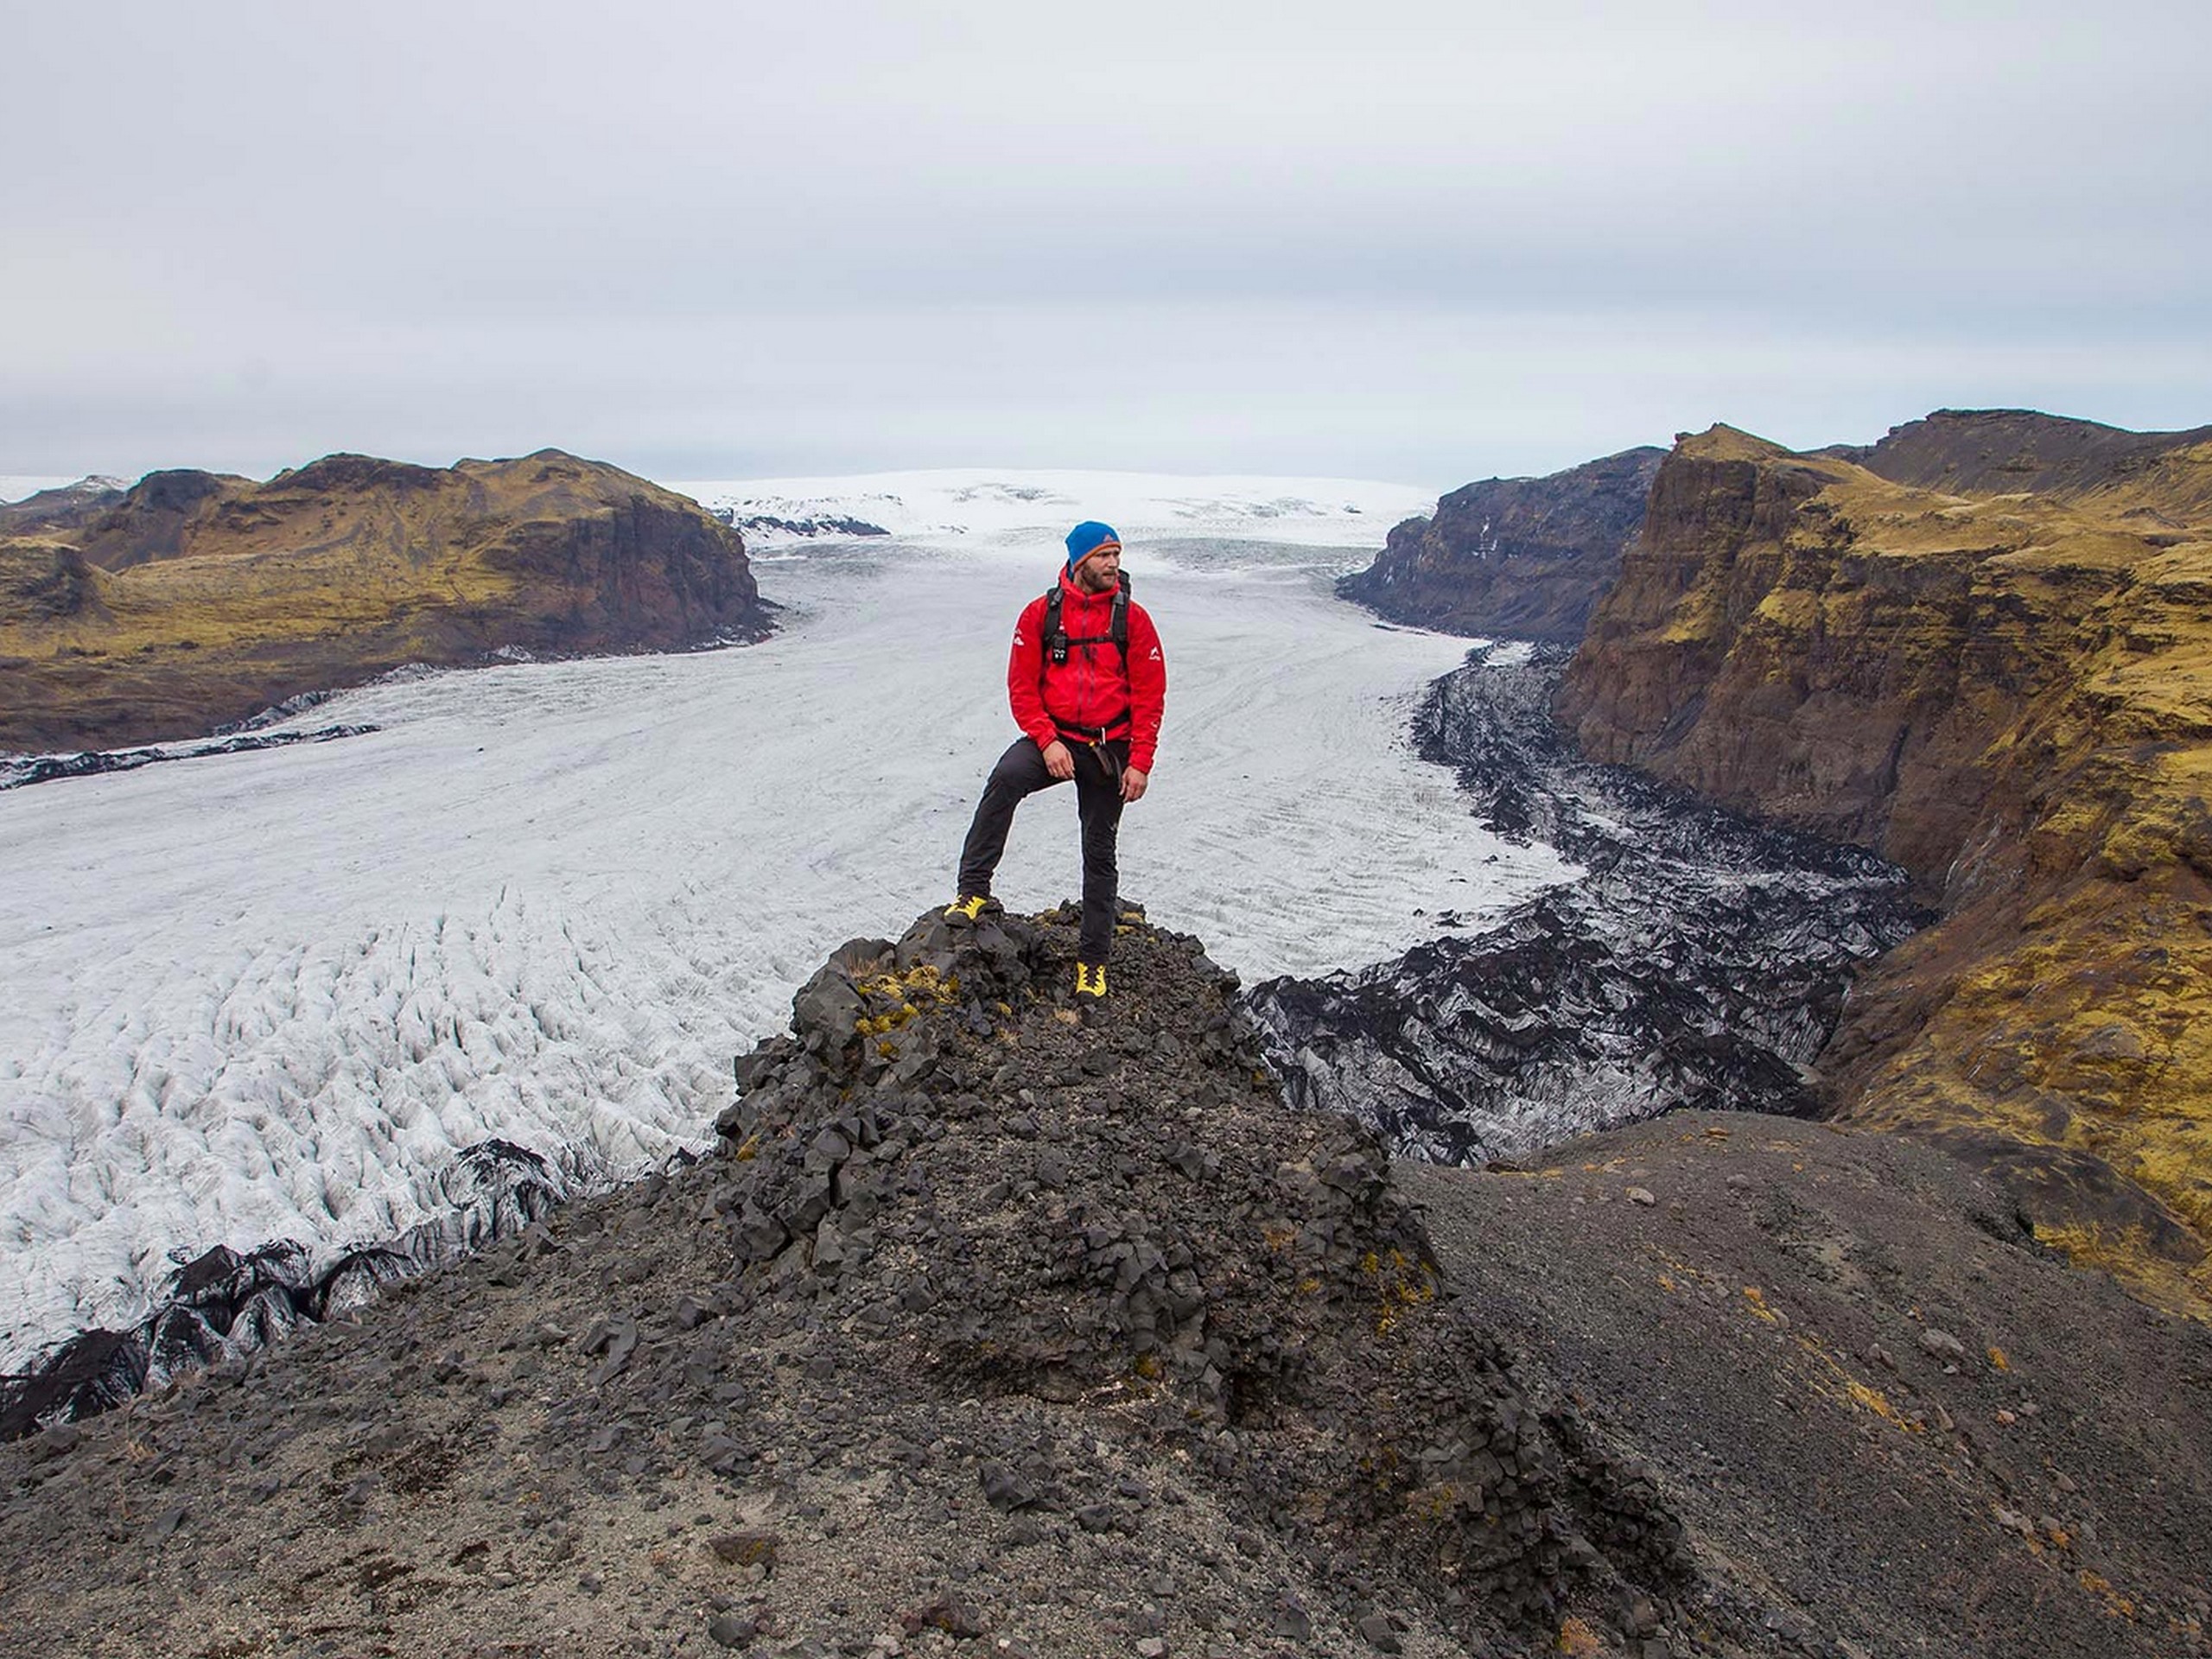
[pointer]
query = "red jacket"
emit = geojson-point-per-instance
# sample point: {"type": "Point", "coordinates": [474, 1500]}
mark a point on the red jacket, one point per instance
{"type": "Point", "coordinates": [1091, 690]}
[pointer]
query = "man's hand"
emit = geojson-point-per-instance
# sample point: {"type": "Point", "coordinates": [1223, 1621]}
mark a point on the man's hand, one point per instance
{"type": "Point", "coordinates": [1059, 762]}
{"type": "Point", "coordinates": [1133, 782]}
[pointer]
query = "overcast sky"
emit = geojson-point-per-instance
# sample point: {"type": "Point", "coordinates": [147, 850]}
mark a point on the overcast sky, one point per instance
{"type": "Point", "coordinates": [1426, 240]}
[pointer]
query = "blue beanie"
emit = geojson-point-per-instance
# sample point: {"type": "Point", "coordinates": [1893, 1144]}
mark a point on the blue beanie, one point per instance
{"type": "Point", "coordinates": [1089, 537]}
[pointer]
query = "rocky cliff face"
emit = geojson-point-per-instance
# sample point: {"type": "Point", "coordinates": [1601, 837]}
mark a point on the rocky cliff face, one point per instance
{"type": "Point", "coordinates": [1523, 559]}
{"type": "Point", "coordinates": [191, 601]}
{"type": "Point", "coordinates": [2006, 693]}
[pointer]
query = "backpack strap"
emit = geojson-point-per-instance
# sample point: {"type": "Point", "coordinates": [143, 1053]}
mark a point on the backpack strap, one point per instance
{"type": "Point", "coordinates": [1056, 641]}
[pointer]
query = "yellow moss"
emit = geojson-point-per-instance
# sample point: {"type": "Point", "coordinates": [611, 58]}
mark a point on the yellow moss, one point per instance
{"type": "Point", "coordinates": [1407, 1285]}
{"type": "Point", "coordinates": [2116, 1605]}
{"type": "Point", "coordinates": [1790, 607]}
{"type": "Point", "coordinates": [750, 1150]}
{"type": "Point", "coordinates": [1431, 1504]}
{"type": "Point", "coordinates": [1837, 1381]}
{"type": "Point", "coordinates": [2127, 1255]}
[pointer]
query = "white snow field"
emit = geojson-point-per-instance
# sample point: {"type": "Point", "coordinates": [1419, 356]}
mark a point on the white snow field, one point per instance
{"type": "Point", "coordinates": [259, 996]}
{"type": "Point", "coordinates": [954, 506]}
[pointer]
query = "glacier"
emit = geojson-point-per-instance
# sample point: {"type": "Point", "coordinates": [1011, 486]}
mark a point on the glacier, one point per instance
{"type": "Point", "coordinates": [280, 995]}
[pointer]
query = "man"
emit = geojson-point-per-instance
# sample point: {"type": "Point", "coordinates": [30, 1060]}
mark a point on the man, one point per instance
{"type": "Point", "coordinates": [1087, 682]}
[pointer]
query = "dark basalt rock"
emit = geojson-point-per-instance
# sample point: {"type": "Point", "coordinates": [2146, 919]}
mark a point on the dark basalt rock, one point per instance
{"type": "Point", "coordinates": [1701, 960]}
{"type": "Point", "coordinates": [827, 525]}
{"type": "Point", "coordinates": [93, 763]}
{"type": "Point", "coordinates": [977, 1397]}
{"type": "Point", "coordinates": [1120, 1204]}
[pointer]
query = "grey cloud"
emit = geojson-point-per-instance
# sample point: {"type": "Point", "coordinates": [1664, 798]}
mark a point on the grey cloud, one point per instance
{"type": "Point", "coordinates": [1417, 240]}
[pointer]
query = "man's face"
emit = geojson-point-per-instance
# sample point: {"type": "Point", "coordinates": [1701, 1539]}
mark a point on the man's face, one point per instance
{"type": "Point", "coordinates": [1101, 573]}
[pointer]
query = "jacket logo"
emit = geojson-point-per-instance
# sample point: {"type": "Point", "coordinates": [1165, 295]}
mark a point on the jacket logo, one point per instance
{"type": "Point", "coordinates": [1018, 639]}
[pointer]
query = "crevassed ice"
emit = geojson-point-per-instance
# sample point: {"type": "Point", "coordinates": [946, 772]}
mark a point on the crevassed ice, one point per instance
{"type": "Point", "coordinates": [269, 995]}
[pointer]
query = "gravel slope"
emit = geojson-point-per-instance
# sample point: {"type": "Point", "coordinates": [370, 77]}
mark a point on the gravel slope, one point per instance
{"type": "Point", "coordinates": [1854, 1370]}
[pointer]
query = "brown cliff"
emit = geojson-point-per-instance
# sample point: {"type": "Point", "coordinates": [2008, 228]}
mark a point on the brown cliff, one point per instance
{"type": "Point", "coordinates": [1521, 558]}
{"type": "Point", "coordinates": [192, 601]}
{"type": "Point", "coordinates": [2010, 692]}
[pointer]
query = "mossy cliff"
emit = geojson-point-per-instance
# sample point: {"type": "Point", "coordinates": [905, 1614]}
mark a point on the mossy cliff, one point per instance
{"type": "Point", "coordinates": [192, 600]}
{"type": "Point", "coordinates": [2010, 694]}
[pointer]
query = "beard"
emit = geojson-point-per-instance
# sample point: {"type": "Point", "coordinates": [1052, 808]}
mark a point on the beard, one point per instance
{"type": "Point", "coordinates": [1092, 577]}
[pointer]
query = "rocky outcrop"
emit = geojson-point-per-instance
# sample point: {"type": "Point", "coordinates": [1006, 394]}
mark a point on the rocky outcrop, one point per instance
{"type": "Point", "coordinates": [1521, 558]}
{"type": "Point", "coordinates": [192, 600]}
{"type": "Point", "coordinates": [2004, 693]}
{"type": "Point", "coordinates": [1142, 1206]}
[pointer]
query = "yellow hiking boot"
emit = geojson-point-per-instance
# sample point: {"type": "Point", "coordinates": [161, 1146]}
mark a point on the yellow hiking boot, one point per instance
{"type": "Point", "coordinates": [1090, 979]}
{"type": "Point", "coordinates": [967, 909]}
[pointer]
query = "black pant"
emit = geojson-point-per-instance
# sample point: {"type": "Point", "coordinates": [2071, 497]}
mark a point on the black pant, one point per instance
{"type": "Point", "coordinates": [1020, 774]}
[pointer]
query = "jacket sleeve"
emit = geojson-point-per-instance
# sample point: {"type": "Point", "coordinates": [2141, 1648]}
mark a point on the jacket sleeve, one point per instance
{"type": "Point", "coordinates": [1147, 688]}
{"type": "Point", "coordinates": [1025, 676]}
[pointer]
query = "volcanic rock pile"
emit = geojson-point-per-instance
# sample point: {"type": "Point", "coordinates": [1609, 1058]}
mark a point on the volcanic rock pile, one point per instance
{"type": "Point", "coordinates": [1126, 1210]}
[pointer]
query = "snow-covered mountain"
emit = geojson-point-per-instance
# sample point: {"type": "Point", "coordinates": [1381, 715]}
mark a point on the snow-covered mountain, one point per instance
{"type": "Point", "coordinates": [283, 994]}
{"type": "Point", "coordinates": [1013, 507]}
